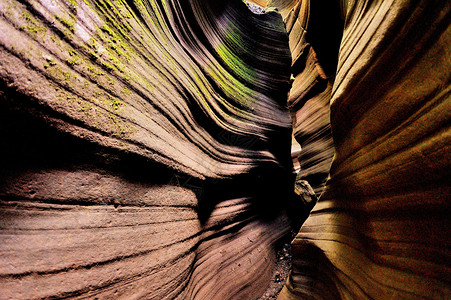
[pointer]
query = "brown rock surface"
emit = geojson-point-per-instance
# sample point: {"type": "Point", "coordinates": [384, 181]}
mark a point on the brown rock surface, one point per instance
{"type": "Point", "coordinates": [314, 36]}
{"type": "Point", "coordinates": [381, 228]}
{"type": "Point", "coordinates": [147, 149]}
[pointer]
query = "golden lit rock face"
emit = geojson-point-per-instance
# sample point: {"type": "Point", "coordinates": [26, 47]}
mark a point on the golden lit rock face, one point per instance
{"type": "Point", "coordinates": [147, 148]}
{"type": "Point", "coordinates": [380, 229]}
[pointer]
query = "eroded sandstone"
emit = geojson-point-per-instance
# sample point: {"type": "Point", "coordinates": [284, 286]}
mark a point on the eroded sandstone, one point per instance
{"type": "Point", "coordinates": [146, 148]}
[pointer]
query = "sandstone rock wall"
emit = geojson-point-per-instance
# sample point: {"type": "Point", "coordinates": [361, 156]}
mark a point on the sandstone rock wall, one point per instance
{"type": "Point", "coordinates": [380, 229]}
{"type": "Point", "coordinates": [145, 149]}
{"type": "Point", "coordinates": [314, 37]}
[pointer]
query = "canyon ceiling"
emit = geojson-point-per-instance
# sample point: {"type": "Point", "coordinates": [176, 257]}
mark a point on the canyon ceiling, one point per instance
{"type": "Point", "coordinates": [168, 149]}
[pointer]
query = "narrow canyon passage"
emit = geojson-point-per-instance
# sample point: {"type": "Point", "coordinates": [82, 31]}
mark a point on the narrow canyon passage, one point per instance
{"type": "Point", "coordinates": [172, 149]}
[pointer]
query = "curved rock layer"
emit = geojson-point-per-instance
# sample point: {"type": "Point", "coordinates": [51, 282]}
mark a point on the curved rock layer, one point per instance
{"type": "Point", "coordinates": [140, 76]}
{"type": "Point", "coordinates": [380, 229]}
{"type": "Point", "coordinates": [148, 149]}
{"type": "Point", "coordinates": [314, 37]}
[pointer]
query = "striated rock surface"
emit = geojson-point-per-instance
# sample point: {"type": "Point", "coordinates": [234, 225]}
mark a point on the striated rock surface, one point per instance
{"type": "Point", "coordinates": [137, 77]}
{"type": "Point", "coordinates": [314, 37]}
{"type": "Point", "coordinates": [146, 149]}
{"type": "Point", "coordinates": [381, 228]}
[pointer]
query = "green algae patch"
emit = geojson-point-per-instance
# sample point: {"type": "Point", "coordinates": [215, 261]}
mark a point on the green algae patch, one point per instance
{"type": "Point", "coordinates": [116, 103]}
{"type": "Point", "coordinates": [126, 91]}
{"type": "Point", "coordinates": [107, 100]}
{"type": "Point", "coordinates": [67, 23]}
{"type": "Point", "coordinates": [49, 63]}
{"type": "Point", "coordinates": [74, 58]}
{"type": "Point", "coordinates": [73, 5]}
{"type": "Point", "coordinates": [33, 27]}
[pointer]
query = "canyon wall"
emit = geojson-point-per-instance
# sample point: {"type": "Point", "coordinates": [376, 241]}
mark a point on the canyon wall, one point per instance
{"type": "Point", "coordinates": [146, 148]}
{"type": "Point", "coordinates": [380, 230]}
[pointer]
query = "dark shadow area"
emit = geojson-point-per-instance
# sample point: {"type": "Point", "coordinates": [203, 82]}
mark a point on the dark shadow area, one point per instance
{"type": "Point", "coordinates": [29, 141]}
{"type": "Point", "coordinates": [313, 274]}
{"type": "Point", "coordinates": [324, 33]}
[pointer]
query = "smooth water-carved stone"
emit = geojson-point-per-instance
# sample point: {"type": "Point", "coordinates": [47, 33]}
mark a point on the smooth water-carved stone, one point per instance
{"type": "Point", "coordinates": [379, 229]}
{"type": "Point", "coordinates": [313, 39]}
{"type": "Point", "coordinates": [136, 77]}
{"type": "Point", "coordinates": [148, 149]}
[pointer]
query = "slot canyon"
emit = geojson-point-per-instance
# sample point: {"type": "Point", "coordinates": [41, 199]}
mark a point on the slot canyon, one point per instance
{"type": "Point", "coordinates": [214, 150]}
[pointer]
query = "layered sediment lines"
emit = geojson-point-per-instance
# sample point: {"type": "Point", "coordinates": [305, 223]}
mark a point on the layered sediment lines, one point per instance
{"type": "Point", "coordinates": [380, 229]}
{"type": "Point", "coordinates": [147, 149]}
{"type": "Point", "coordinates": [139, 77]}
{"type": "Point", "coordinates": [314, 37]}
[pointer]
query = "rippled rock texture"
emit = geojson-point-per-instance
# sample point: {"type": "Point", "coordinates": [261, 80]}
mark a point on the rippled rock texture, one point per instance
{"type": "Point", "coordinates": [380, 229]}
{"type": "Point", "coordinates": [314, 37]}
{"type": "Point", "coordinates": [147, 149]}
